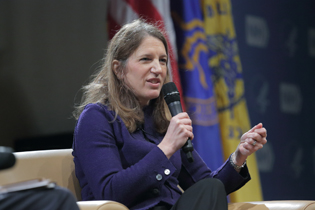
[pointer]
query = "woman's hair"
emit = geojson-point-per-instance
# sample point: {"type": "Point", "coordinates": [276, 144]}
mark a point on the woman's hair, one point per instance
{"type": "Point", "coordinates": [110, 90]}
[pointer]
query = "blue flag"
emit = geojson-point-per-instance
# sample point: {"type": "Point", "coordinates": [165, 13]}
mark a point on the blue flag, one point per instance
{"type": "Point", "coordinates": [195, 74]}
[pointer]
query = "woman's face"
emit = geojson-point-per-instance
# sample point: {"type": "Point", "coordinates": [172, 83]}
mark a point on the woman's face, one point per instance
{"type": "Point", "coordinates": [146, 70]}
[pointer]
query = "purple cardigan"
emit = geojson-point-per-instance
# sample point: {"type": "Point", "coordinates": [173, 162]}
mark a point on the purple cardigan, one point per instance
{"type": "Point", "coordinates": [113, 164]}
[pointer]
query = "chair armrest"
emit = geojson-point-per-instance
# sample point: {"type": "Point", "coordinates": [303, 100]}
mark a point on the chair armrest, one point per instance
{"type": "Point", "coordinates": [101, 205]}
{"type": "Point", "coordinates": [274, 205]}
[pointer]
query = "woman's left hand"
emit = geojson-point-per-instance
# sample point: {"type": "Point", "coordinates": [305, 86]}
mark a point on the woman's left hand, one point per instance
{"type": "Point", "coordinates": [251, 141]}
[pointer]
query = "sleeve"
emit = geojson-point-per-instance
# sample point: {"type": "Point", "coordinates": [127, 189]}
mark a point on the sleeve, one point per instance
{"type": "Point", "coordinates": [98, 154]}
{"type": "Point", "coordinates": [193, 172]}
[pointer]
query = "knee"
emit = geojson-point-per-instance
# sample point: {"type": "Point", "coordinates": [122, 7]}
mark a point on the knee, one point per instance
{"type": "Point", "coordinates": [61, 192]}
{"type": "Point", "coordinates": [66, 191]}
{"type": "Point", "coordinates": [213, 183]}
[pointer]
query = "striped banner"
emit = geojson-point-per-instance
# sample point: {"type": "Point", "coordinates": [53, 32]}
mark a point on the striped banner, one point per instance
{"type": "Point", "coordinates": [193, 55]}
{"type": "Point", "coordinates": [229, 89]}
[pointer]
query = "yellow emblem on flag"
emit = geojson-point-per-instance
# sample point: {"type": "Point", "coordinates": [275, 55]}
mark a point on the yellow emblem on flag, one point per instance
{"type": "Point", "coordinates": [229, 89]}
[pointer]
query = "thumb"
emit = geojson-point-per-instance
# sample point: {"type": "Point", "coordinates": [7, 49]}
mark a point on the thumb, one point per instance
{"type": "Point", "coordinates": [259, 125]}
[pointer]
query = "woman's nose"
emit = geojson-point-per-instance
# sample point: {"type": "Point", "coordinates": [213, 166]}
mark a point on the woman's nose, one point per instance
{"type": "Point", "coordinates": [156, 68]}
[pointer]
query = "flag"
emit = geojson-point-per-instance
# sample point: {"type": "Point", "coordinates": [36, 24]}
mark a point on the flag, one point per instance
{"type": "Point", "coordinates": [229, 88]}
{"type": "Point", "coordinates": [195, 75]}
{"type": "Point", "coordinates": [156, 12]}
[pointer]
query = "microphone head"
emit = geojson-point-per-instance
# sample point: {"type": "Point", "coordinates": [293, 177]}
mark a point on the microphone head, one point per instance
{"type": "Point", "coordinates": [170, 93]}
{"type": "Point", "coordinates": [7, 160]}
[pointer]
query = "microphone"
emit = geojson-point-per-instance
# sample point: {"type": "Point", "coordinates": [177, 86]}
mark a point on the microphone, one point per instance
{"type": "Point", "coordinates": [172, 99]}
{"type": "Point", "coordinates": [7, 160]}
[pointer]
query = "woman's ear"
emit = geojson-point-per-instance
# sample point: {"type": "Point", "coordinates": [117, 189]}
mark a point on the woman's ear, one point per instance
{"type": "Point", "coordinates": [115, 67]}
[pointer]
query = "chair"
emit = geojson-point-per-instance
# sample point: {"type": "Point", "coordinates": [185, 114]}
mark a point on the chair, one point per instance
{"type": "Point", "coordinates": [58, 166]}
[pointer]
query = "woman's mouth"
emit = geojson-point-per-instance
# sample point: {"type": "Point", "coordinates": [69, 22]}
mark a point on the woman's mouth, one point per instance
{"type": "Point", "coordinates": [154, 81]}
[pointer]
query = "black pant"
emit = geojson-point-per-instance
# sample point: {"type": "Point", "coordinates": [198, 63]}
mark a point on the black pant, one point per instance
{"type": "Point", "coordinates": [56, 198]}
{"type": "Point", "coordinates": [207, 194]}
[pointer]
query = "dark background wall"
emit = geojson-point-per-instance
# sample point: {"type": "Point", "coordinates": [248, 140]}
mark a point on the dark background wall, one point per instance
{"type": "Point", "coordinates": [48, 50]}
{"type": "Point", "coordinates": [277, 49]}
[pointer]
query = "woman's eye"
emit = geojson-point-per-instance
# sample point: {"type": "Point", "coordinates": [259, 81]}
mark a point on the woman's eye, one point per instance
{"type": "Point", "coordinates": [145, 59]}
{"type": "Point", "coordinates": [163, 60]}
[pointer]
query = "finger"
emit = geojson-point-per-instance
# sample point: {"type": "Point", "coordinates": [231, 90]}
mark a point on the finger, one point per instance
{"type": "Point", "coordinates": [251, 141]}
{"type": "Point", "coordinates": [255, 136]}
{"type": "Point", "coordinates": [257, 145]}
{"type": "Point", "coordinates": [248, 146]}
{"type": "Point", "coordinates": [261, 131]}
{"type": "Point", "coordinates": [252, 145]}
{"type": "Point", "coordinates": [186, 127]}
{"type": "Point", "coordinates": [183, 122]}
{"type": "Point", "coordinates": [186, 121]}
{"type": "Point", "coordinates": [187, 133]}
{"type": "Point", "coordinates": [177, 118]}
{"type": "Point", "coordinates": [192, 136]}
{"type": "Point", "coordinates": [263, 141]}
{"type": "Point", "coordinates": [259, 125]}
{"type": "Point", "coordinates": [182, 115]}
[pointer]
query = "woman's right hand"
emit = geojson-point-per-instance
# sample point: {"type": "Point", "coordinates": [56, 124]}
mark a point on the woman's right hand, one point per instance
{"type": "Point", "coordinates": [178, 132]}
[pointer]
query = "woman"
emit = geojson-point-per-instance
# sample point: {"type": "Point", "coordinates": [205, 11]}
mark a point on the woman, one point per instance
{"type": "Point", "coordinates": [127, 146]}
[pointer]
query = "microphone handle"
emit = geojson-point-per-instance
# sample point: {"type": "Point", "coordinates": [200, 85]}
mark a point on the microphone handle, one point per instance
{"type": "Point", "coordinates": [188, 148]}
{"type": "Point", "coordinates": [175, 108]}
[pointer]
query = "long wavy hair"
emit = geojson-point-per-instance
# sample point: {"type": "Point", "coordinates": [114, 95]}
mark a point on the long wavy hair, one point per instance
{"type": "Point", "coordinates": [110, 90]}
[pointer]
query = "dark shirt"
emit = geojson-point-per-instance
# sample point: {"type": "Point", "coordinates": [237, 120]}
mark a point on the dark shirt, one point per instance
{"type": "Point", "coordinates": [113, 164]}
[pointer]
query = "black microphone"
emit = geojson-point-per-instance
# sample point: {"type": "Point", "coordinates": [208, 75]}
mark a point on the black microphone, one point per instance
{"type": "Point", "coordinates": [172, 99]}
{"type": "Point", "coordinates": [7, 160]}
